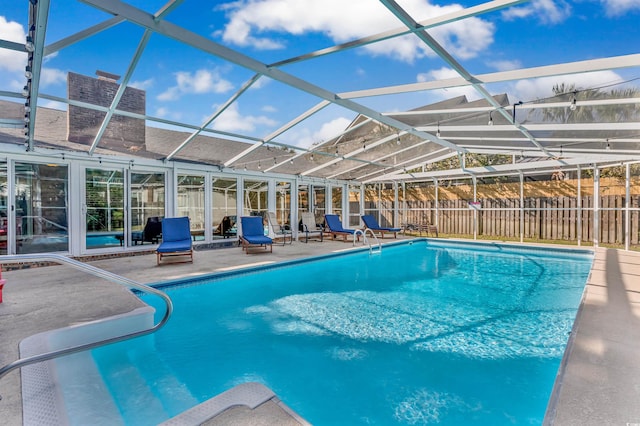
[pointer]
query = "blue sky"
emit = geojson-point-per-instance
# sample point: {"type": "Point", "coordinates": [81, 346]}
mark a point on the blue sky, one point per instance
{"type": "Point", "coordinates": [186, 85]}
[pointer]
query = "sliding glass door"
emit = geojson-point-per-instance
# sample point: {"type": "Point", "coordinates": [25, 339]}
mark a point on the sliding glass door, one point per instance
{"type": "Point", "coordinates": [104, 208]}
{"type": "Point", "coordinates": [41, 207]}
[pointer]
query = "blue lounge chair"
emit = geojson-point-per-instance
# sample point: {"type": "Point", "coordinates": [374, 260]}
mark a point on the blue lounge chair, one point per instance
{"type": "Point", "coordinates": [176, 239]}
{"type": "Point", "coordinates": [334, 227]}
{"type": "Point", "coordinates": [370, 222]}
{"type": "Point", "coordinates": [253, 233]}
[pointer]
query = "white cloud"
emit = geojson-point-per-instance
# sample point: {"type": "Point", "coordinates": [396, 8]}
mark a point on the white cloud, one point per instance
{"type": "Point", "coordinates": [49, 76]}
{"type": "Point", "coordinates": [451, 92]}
{"type": "Point", "coordinates": [11, 60]}
{"type": "Point", "coordinates": [260, 83]}
{"type": "Point", "coordinates": [505, 65]}
{"type": "Point", "coordinates": [620, 7]}
{"type": "Point", "coordinates": [522, 90]}
{"type": "Point", "coordinates": [17, 85]}
{"type": "Point", "coordinates": [171, 94]}
{"type": "Point", "coordinates": [163, 112]}
{"type": "Point", "coordinates": [305, 137]}
{"type": "Point", "coordinates": [231, 120]}
{"type": "Point", "coordinates": [202, 81]}
{"type": "Point", "coordinates": [53, 105]}
{"type": "Point", "coordinates": [252, 21]}
{"type": "Point", "coordinates": [547, 11]}
{"type": "Point", "coordinates": [142, 85]}
{"type": "Point", "coordinates": [532, 89]}
{"type": "Point", "coordinates": [269, 108]}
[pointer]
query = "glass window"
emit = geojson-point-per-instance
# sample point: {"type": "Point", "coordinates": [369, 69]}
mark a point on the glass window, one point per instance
{"type": "Point", "coordinates": [41, 200]}
{"type": "Point", "coordinates": [283, 203]}
{"type": "Point", "coordinates": [147, 207]}
{"type": "Point", "coordinates": [104, 200]}
{"type": "Point", "coordinates": [224, 207]}
{"type": "Point", "coordinates": [4, 217]}
{"type": "Point", "coordinates": [191, 202]}
{"type": "Point", "coordinates": [255, 197]}
{"type": "Point", "coordinates": [320, 202]}
{"type": "Point", "coordinates": [336, 200]}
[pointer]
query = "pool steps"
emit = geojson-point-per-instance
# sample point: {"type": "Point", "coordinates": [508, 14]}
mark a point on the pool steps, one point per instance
{"type": "Point", "coordinates": [130, 375]}
{"type": "Point", "coordinates": [82, 397]}
{"type": "Point", "coordinates": [251, 395]}
{"type": "Point", "coordinates": [48, 401]}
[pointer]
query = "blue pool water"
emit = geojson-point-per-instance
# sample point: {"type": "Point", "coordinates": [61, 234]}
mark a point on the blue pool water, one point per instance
{"type": "Point", "coordinates": [425, 333]}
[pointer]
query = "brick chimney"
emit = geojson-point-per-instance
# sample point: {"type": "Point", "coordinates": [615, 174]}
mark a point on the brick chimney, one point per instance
{"type": "Point", "coordinates": [123, 134]}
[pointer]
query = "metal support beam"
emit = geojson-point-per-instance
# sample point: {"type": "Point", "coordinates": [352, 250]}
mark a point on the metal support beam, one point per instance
{"type": "Point", "coordinates": [406, 19]}
{"type": "Point", "coordinates": [143, 19]}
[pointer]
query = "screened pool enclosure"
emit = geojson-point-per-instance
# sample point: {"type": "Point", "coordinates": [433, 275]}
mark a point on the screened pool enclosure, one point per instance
{"type": "Point", "coordinates": [96, 149]}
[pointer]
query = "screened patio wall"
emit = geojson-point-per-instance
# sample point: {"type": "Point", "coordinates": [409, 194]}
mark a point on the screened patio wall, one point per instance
{"type": "Point", "coordinates": [583, 206]}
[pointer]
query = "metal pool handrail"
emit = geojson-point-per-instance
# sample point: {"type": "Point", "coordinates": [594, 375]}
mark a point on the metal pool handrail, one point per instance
{"type": "Point", "coordinates": [364, 239]}
{"type": "Point", "coordinates": [58, 258]}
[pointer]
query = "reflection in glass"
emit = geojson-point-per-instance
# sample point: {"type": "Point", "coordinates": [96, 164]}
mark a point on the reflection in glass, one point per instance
{"type": "Point", "coordinates": [224, 207]}
{"type": "Point", "coordinates": [283, 204]}
{"type": "Point", "coordinates": [41, 199]}
{"type": "Point", "coordinates": [4, 217]}
{"type": "Point", "coordinates": [336, 200]}
{"type": "Point", "coordinates": [255, 197]}
{"type": "Point", "coordinates": [147, 207]}
{"type": "Point", "coordinates": [319, 203]}
{"type": "Point", "coordinates": [191, 202]}
{"type": "Point", "coordinates": [104, 199]}
{"type": "Point", "coordinates": [303, 198]}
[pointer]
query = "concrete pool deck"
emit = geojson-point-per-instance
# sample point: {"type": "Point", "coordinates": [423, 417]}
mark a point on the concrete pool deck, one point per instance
{"type": "Point", "coordinates": [600, 383]}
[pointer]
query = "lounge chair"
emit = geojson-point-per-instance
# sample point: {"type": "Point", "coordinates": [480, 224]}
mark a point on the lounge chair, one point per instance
{"type": "Point", "coordinates": [370, 222]}
{"type": "Point", "coordinates": [420, 228]}
{"type": "Point", "coordinates": [277, 230]}
{"type": "Point", "coordinates": [151, 233]}
{"type": "Point", "coordinates": [226, 227]}
{"type": "Point", "coordinates": [310, 227]}
{"type": "Point", "coordinates": [253, 233]}
{"type": "Point", "coordinates": [176, 239]}
{"type": "Point", "coordinates": [334, 227]}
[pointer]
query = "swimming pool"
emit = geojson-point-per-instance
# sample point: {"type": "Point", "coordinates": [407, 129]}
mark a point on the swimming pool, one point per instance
{"type": "Point", "coordinates": [427, 332]}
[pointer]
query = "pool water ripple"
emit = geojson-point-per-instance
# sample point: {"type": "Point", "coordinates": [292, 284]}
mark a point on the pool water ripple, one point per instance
{"type": "Point", "coordinates": [426, 333]}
